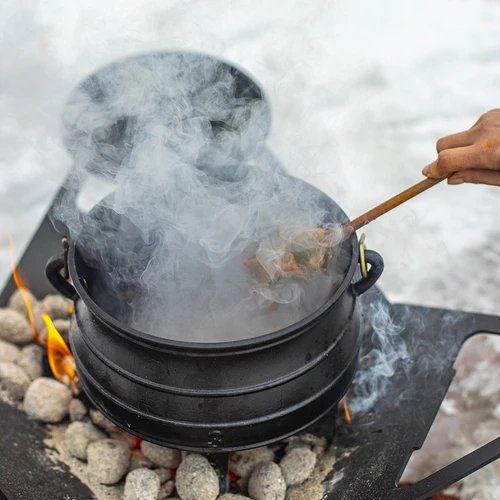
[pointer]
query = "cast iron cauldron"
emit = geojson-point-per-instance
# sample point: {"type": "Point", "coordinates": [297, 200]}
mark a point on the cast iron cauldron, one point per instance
{"type": "Point", "coordinates": [217, 396]}
{"type": "Point", "coordinates": [201, 397]}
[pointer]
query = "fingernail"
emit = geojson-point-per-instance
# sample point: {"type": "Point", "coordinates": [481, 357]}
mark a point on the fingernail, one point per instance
{"type": "Point", "coordinates": [426, 169]}
{"type": "Point", "coordinates": [456, 180]}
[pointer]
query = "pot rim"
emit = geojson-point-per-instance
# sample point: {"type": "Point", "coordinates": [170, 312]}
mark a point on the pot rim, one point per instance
{"type": "Point", "coordinates": [277, 336]}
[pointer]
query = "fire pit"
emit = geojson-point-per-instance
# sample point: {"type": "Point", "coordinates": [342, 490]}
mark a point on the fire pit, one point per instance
{"type": "Point", "coordinates": [380, 440]}
{"type": "Point", "coordinates": [221, 397]}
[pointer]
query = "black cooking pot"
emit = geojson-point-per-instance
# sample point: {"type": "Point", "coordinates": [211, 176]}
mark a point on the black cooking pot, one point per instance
{"type": "Point", "coordinates": [217, 396]}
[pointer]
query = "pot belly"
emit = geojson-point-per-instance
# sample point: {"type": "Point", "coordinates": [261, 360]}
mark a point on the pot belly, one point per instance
{"type": "Point", "coordinates": [200, 400]}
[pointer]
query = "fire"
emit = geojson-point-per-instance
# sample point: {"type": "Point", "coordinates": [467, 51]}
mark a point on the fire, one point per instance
{"type": "Point", "coordinates": [232, 476]}
{"type": "Point", "coordinates": [136, 443]}
{"type": "Point", "coordinates": [346, 409]}
{"type": "Point", "coordinates": [22, 288]}
{"type": "Point", "coordinates": [61, 360]}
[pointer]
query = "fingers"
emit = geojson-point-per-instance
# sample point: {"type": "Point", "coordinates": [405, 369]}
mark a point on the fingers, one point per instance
{"type": "Point", "coordinates": [468, 137]}
{"type": "Point", "coordinates": [487, 115]}
{"type": "Point", "coordinates": [456, 140]}
{"type": "Point", "coordinates": [453, 160]}
{"type": "Point", "coordinates": [476, 176]}
{"type": "Point", "coordinates": [431, 170]}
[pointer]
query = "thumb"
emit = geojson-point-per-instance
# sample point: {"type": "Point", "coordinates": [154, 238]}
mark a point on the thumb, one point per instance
{"type": "Point", "coordinates": [476, 176]}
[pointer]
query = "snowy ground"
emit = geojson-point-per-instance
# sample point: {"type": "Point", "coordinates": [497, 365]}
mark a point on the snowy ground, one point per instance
{"type": "Point", "coordinates": [360, 93]}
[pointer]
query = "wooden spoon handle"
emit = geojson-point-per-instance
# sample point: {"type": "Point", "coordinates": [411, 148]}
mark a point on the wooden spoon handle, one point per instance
{"type": "Point", "coordinates": [388, 205]}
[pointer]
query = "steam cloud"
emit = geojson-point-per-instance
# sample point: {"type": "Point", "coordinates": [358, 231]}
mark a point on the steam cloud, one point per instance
{"type": "Point", "coordinates": [196, 193]}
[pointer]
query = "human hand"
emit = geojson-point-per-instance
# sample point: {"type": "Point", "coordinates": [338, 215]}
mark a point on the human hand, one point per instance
{"type": "Point", "coordinates": [471, 156]}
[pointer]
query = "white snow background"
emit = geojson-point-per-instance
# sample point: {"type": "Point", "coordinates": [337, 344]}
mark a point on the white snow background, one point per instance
{"type": "Point", "coordinates": [360, 92]}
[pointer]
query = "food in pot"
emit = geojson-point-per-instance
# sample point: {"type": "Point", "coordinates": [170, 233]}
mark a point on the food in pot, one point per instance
{"type": "Point", "coordinates": [293, 253]}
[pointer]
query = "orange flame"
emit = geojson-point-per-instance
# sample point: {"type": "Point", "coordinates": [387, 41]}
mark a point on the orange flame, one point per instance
{"type": "Point", "coordinates": [22, 288]}
{"type": "Point", "coordinates": [346, 410]}
{"type": "Point", "coordinates": [137, 441]}
{"type": "Point", "coordinates": [61, 360]}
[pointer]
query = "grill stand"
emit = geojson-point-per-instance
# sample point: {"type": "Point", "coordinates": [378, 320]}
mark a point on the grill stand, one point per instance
{"type": "Point", "coordinates": [220, 463]}
{"type": "Point", "coordinates": [45, 243]}
{"type": "Point", "coordinates": [382, 441]}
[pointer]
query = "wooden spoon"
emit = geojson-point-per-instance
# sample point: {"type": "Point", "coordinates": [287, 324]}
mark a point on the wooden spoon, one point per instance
{"type": "Point", "coordinates": [334, 236]}
{"type": "Point", "coordinates": [383, 208]}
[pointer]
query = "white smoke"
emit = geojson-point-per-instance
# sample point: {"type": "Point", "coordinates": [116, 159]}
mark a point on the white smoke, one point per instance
{"type": "Point", "coordinates": [196, 193]}
{"type": "Point", "coordinates": [388, 353]}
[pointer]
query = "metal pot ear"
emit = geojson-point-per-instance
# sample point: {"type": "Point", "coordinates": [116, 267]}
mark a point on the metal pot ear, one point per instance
{"type": "Point", "coordinates": [376, 269]}
{"type": "Point", "coordinates": [53, 270]}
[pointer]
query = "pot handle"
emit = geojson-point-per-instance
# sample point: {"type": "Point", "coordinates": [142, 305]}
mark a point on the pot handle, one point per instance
{"type": "Point", "coordinates": [53, 270]}
{"type": "Point", "coordinates": [376, 268]}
